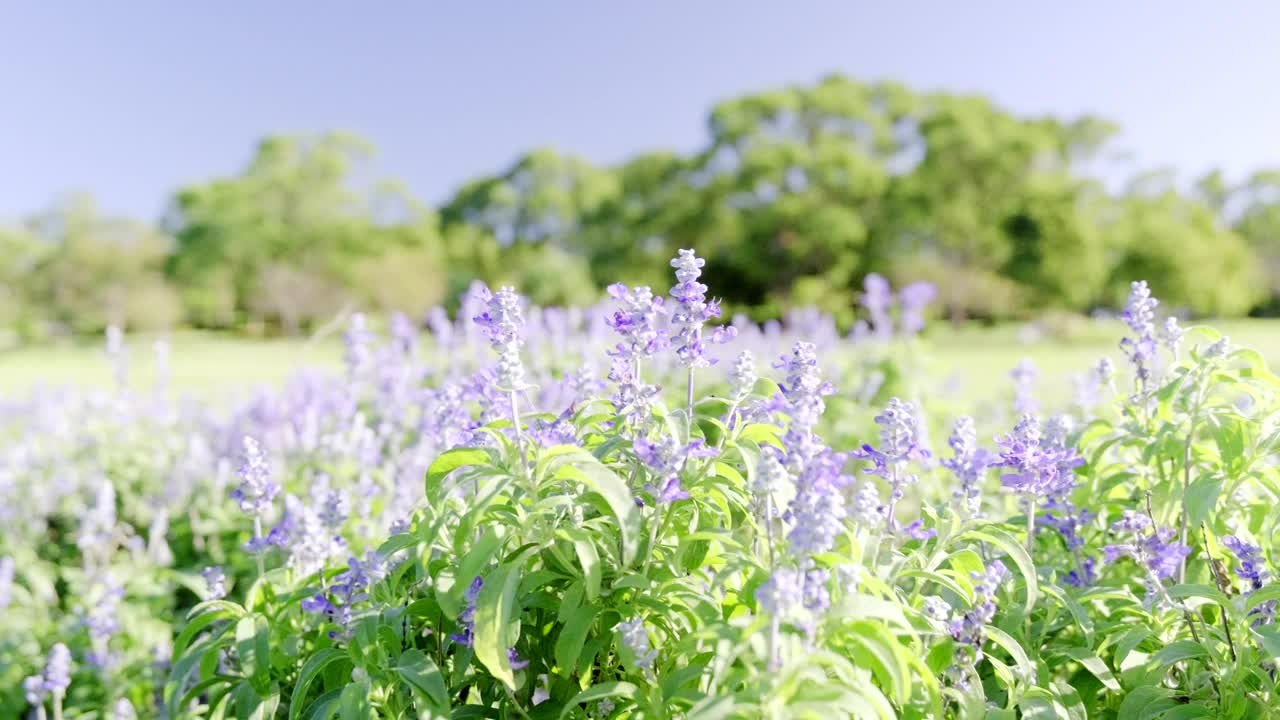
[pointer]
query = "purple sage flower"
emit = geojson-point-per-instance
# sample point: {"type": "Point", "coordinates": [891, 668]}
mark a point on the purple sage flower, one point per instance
{"type": "Point", "coordinates": [693, 311]}
{"type": "Point", "coordinates": [1024, 377]}
{"type": "Point", "coordinates": [637, 321]}
{"type": "Point", "coordinates": [256, 490]}
{"type": "Point", "coordinates": [1140, 347]}
{"type": "Point", "coordinates": [1251, 566]}
{"type": "Point", "coordinates": [467, 618]}
{"type": "Point", "coordinates": [637, 641]}
{"type": "Point", "coordinates": [1040, 469]}
{"type": "Point", "coordinates": [969, 464]}
{"type": "Point", "coordinates": [503, 322]}
{"type": "Point", "coordinates": [915, 298]}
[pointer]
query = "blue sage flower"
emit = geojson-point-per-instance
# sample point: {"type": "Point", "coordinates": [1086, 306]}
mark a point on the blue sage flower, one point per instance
{"type": "Point", "coordinates": [357, 341]}
{"type": "Point", "coordinates": [1024, 376]}
{"type": "Point", "coordinates": [637, 321]}
{"type": "Point", "coordinates": [1068, 521]}
{"type": "Point", "coordinates": [514, 660]}
{"type": "Point", "coordinates": [693, 311]}
{"type": "Point", "coordinates": [256, 490]}
{"type": "Point", "coordinates": [558, 431]}
{"type": "Point", "coordinates": [467, 619]}
{"type": "Point", "coordinates": [636, 639]}
{"type": "Point", "coordinates": [899, 447]}
{"type": "Point", "coordinates": [1041, 469]}
{"type": "Point", "coordinates": [503, 322]}
{"type": "Point", "coordinates": [7, 572]}
{"type": "Point", "coordinates": [914, 299]}
{"type": "Point", "coordinates": [123, 710]}
{"type": "Point", "coordinates": [57, 671]}
{"type": "Point", "coordinates": [968, 629]}
{"type": "Point", "coordinates": [1251, 566]}
{"type": "Point", "coordinates": [215, 583]}
{"type": "Point", "coordinates": [1140, 347]}
{"type": "Point", "coordinates": [742, 380]}
{"type": "Point", "coordinates": [969, 464]}
{"type": "Point", "coordinates": [877, 298]}
{"type": "Point", "coordinates": [1156, 552]}
{"type": "Point", "coordinates": [33, 689]}
{"type": "Point", "coordinates": [665, 459]}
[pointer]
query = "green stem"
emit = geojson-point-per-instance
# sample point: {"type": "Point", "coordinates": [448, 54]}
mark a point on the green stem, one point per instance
{"type": "Point", "coordinates": [1031, 525]}
{"type": "Point", "coordinates": [257, 535]}
{"type": "Point", "coordinates": [524, 460]}
{"type": "Point", "coordinates": [690, 399]}
{"type": "Point", "coordinates": [1186, 482]}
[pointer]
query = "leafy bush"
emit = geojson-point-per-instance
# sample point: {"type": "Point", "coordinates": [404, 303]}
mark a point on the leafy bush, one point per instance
{"type": "Point", "coordinates": [441, 532]}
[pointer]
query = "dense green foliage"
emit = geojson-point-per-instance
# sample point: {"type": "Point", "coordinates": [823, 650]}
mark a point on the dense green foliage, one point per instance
{"type": "Point", "coordinates": [796, 195]}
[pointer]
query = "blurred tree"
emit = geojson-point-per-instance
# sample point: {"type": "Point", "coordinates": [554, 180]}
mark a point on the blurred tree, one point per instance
{"type": "Point", "coordinates": [998, 195]}
{"type": "Point", "coordinates": [1257, 219]}
{"type": "Point", "coordinates": [101, 270]}
{"type": "Point", "coordinates": [21, 255]}
{"type": "Point", "coordinates": [543, 196]}
{"type": "Point", "coordinates": [796, 195]}
{"type": "Point", "coordinates": [1178, 245]}
{"type": "Point", "coordinates": [293, 239]}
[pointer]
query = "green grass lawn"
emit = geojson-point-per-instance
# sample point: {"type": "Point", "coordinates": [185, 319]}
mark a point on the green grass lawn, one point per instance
{"type": "Point", "coordinates": [982, 357]}
{"type": "Point", "coordinates": [206, 364]}
{"type": "Point", "coordinates": [200, 363]}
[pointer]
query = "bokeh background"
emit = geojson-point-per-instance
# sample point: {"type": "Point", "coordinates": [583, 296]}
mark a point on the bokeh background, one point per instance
{"type": "Point", "coordinates": [241, 177]}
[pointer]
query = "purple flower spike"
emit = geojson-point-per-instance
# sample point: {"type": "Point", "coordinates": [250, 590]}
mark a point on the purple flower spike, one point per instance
{"type": "Point", "coordinates": [694, 311]}
{"type": "Point", "coordinates": [515, 661]}
{"type": "Point", "coordinates": [1041, 469]}
{"type": "Point", "coordinates": [916, 530]}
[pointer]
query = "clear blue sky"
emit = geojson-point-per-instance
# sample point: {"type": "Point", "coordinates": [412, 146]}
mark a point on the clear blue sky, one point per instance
{"type": "Point", "coordinates": [131, 99]}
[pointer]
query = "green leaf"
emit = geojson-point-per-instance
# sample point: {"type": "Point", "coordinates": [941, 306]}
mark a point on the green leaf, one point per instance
{"type": "Point", "coordinates": [1257, 597]}
{"type": "Point", "coordinates": [474, 562]}
{"type": "Point", "coordinates": [1145, 702]}
{"type": "Point", "coordinates": [310, 671]}
{"type": "Point", "coordinates": [1187, 712]}
{"type": "Point", "coordinates": [1177, 652]}
{"type": "Point", "coordinates": [1229, 435]}
{"type": "Point", "coordinates": [449, 461]}
{"type": "Point", "coordinates": [599, 692]}
{"type": "Point", "coordinates": [206, 648]}
{"type": "Point", "coordinates": [325, 706]}
{"type": "Point", "coordinates": [590, 560]}
{"type": "Point", "coordinates": [203, 687]}
{"type": "Point", "coordinates": [421, 673]}
{"type": "Point", "coordinates": [353, 704]}
{"type": "Point", "coordinates": [1026, 668]}
{"type": "Point", "coordinates": [940, 656]}
{"type": "Point", "coordinates": [1202, 497]}
{"type": "Point", "coordinates": [880, 651]}
{"type": "Point", "coordinates": [572, 636]}
{"type": "Point", "coordinates": [253, 644]}
{"type": "Point", "coordinates": [1018, 554]}
{"type": "Point", "coordinates": [621, 503]}
{"type": "Point", "coordinates": [1037, 704]}
{"type": "Point", "coordinates": [1093, 664]}
{"type": "Point", "coordinates": [1269, 641]}
{"type": "Point", "coordinates": [494, 630]}
{"type": "Point", "coordinates": [1205, 592]}
{"type": "Point", "coordinates": [711, 708]}
{"type": "Point", "coordinates": [761, 434]}
{"type": "Point", "coordinates": [198, 624]}
{"type": "Point", "coordinates": [250, 705]}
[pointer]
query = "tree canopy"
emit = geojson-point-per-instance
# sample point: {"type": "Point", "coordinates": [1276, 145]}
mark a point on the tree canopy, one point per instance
{"type": "Point", "coordinates": [795, 196]}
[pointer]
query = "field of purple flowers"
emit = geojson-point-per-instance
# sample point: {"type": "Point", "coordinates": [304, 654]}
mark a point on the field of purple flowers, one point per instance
{"type": "Point", "coordinates": [639, 510]}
